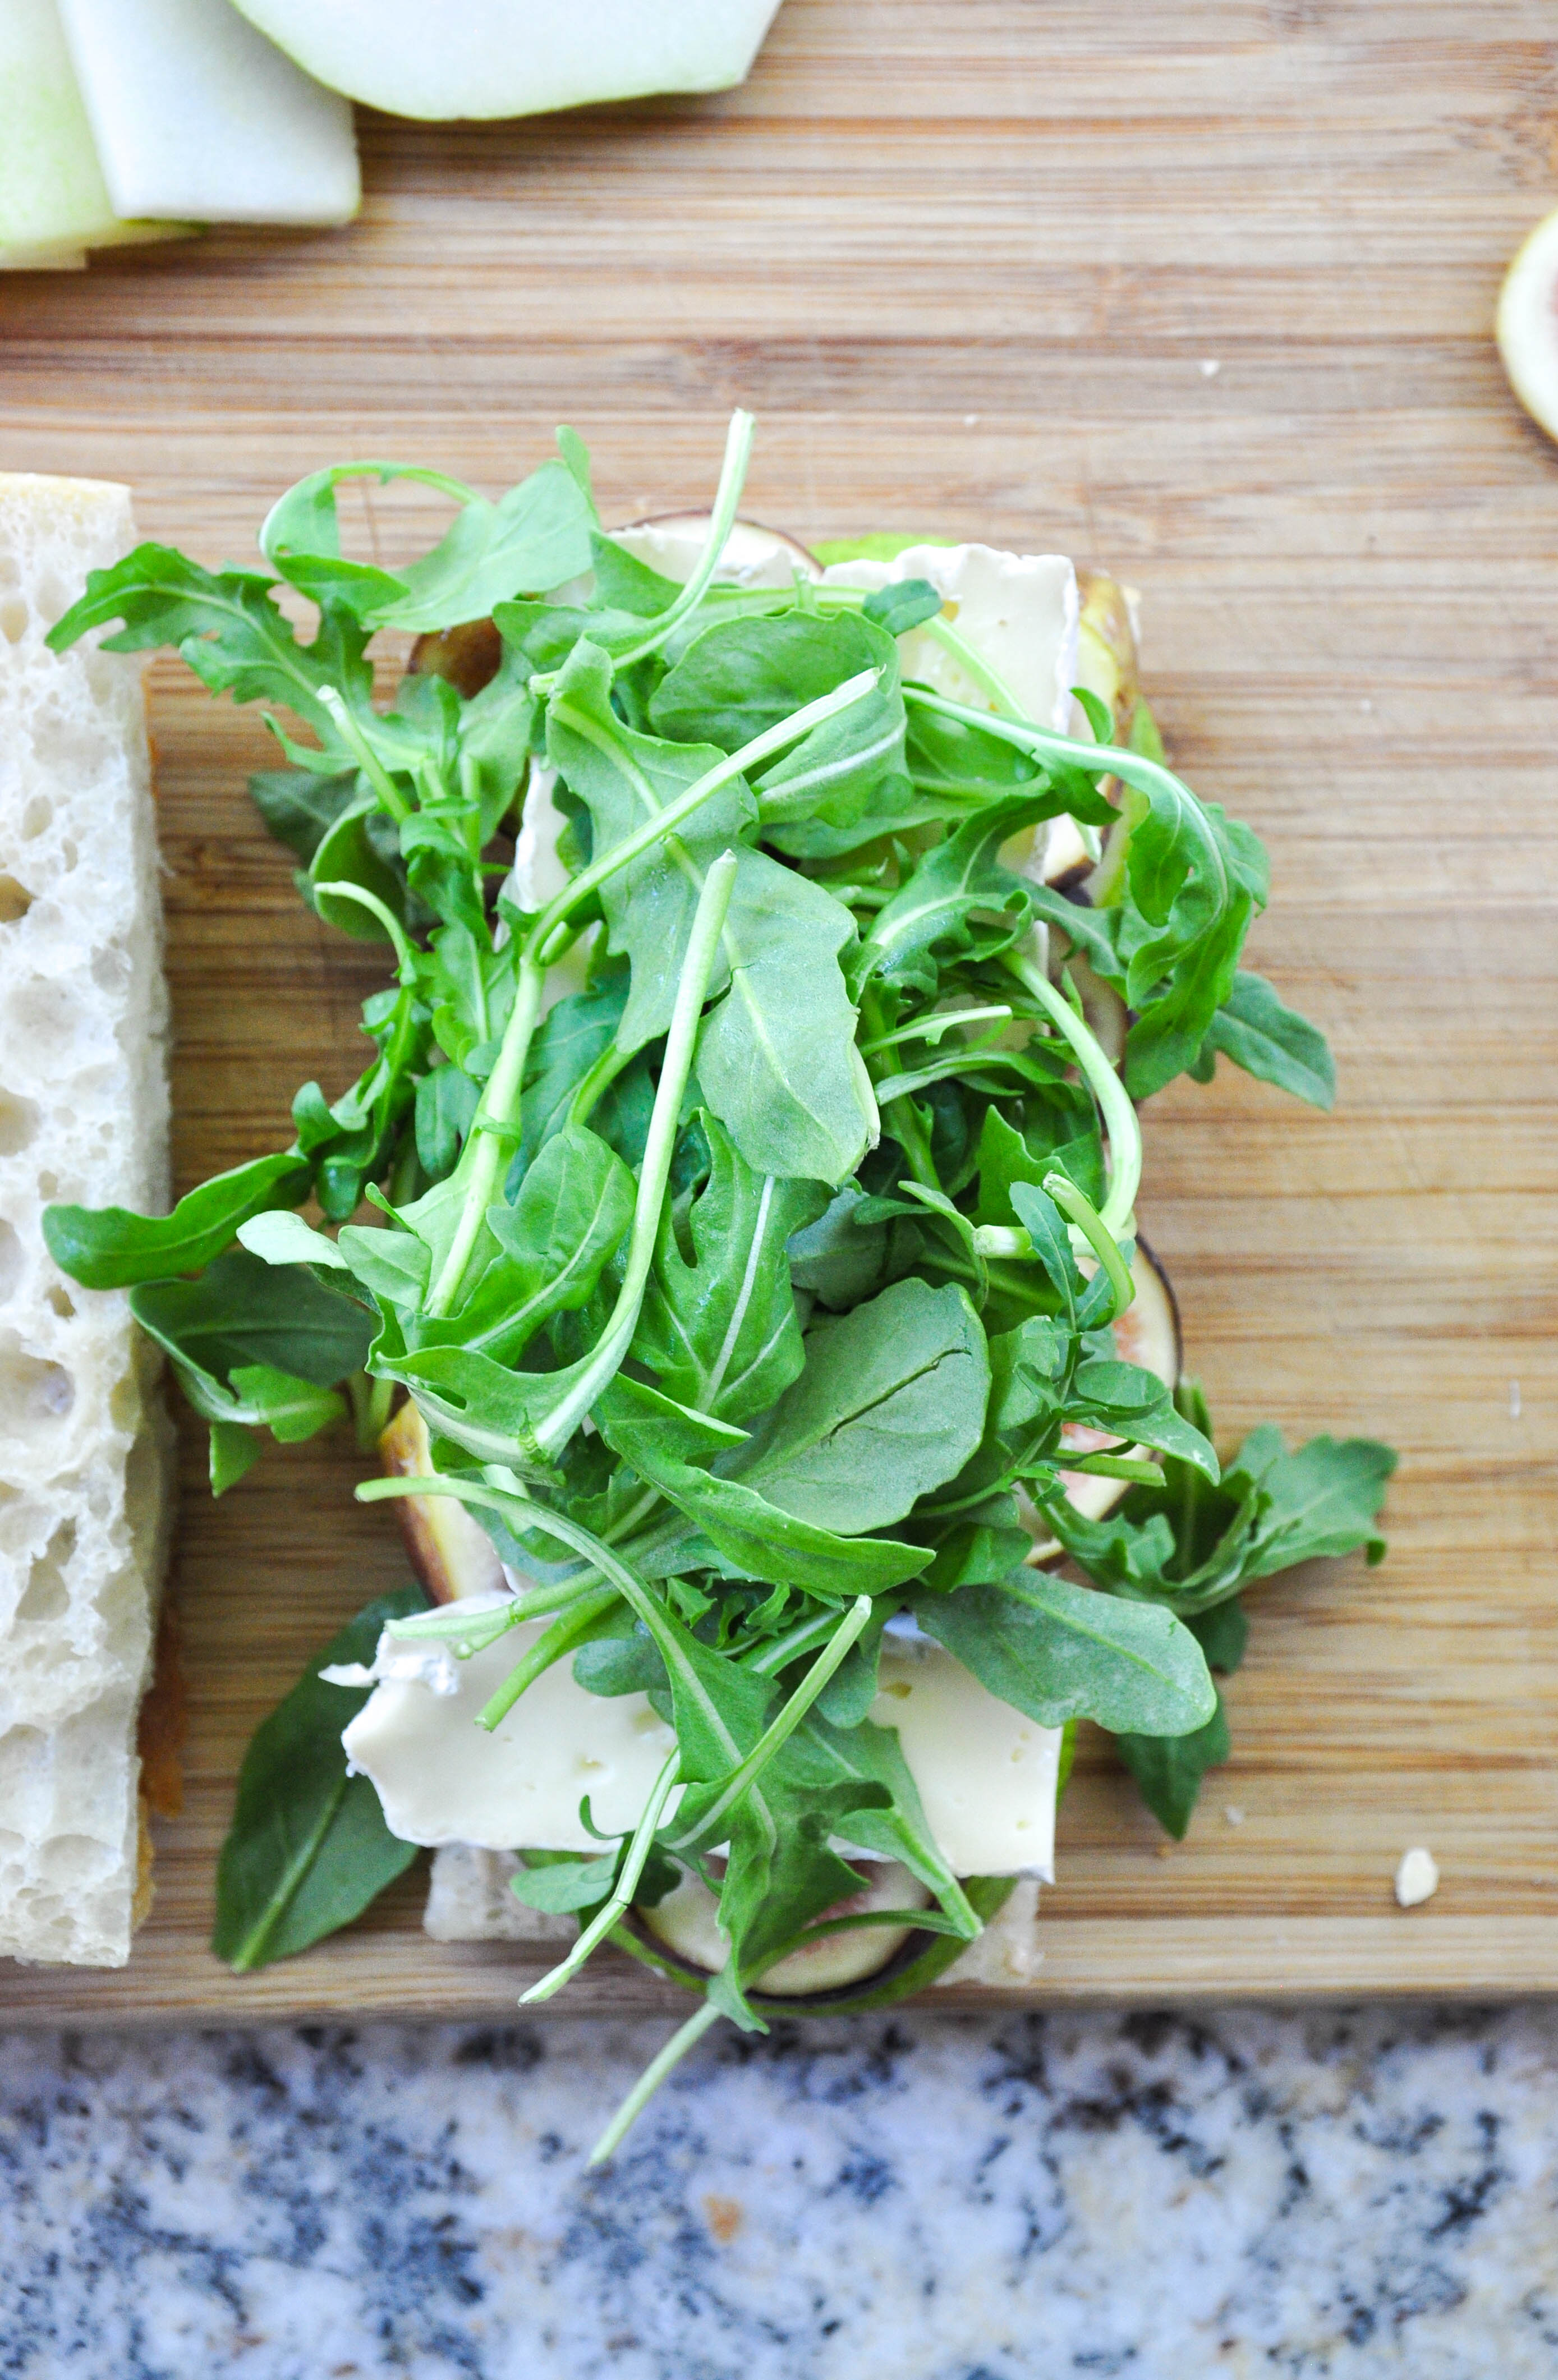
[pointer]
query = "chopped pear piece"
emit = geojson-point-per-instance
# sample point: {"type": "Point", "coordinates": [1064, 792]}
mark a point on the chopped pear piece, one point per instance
{"type": "Point", "coordinates": [1527, 324]}
{"type": "Point", "coordinates": [53, 196]}
{"type": "Point", "coordinates": [197, 115]}
{"type": "Point", "coordinates": [513, 57]}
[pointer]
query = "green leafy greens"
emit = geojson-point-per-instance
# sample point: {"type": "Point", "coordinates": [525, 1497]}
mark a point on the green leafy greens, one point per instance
{"type": "Point", "coordinates": [744, 1200]}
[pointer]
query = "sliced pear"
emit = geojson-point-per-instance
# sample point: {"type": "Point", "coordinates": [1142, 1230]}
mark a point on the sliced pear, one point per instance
{"type": "Point", "coordinates": [196, 115]}
{"type": "Point", "coordinates": [513, 57]}
{"type": "Point", "coordinates": [1527, 324]}
{"type": "Point", "coordinates": [452, 1554]}
{"type": "Point", "coordinates": [53, 197]}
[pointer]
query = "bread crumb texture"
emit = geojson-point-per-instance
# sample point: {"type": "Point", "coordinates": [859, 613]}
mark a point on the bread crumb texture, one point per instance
{"type": "Point", "coordinates": [84, 1441]}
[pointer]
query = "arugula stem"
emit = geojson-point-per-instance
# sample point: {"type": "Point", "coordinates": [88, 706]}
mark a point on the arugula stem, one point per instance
{"type": "Point", "coordinates": [553, 1433]}
{"type": "Point", "coordinates": [675, 813]}
{"type": "Point", "coordinates": [623, 1891]}
{"type": "Point", "coordinates": [721, 520]}
{"type": "Point", "coordinates": [1098, 759]}
{"type": "Point", "coordinates": [495, 1128]}
{"type": "Point", "coordinates": [931, 1028]}
{"type": "Point", "coordinates": [1119, 1115]}
{"type": "Point", "coordinates": [782, 1727]}
{"type": "Point", "coordinates": [405, 957]}
{"type": "Point", "coordinates": [371, 1401]}
{"type": "Point", "coordinates": [1115, 1466]}
{"type": "Point", "coordinates": [780, 1651]}
{"type": "Point", "coordinates": [594, 1085]}
{"type": "Point", "coordinates": [569, 1629]}
{"type": "Point", "coordinates": [362, 752]}
{"type": "Point", "coordinates": [650, 2080]}
{"type": "Point", "coordinates": [1080, 1211]}
{"type": "Point", "coordinates": [903, 1121]}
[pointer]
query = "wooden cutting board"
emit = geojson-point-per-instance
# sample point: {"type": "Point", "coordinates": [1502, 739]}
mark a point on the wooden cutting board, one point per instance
{"type": "Point", "coordinates": [1199, 289]}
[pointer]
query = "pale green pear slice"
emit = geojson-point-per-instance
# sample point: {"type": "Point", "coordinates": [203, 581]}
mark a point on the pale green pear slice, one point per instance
{"type": "Point", "coordinates": [513, 57]}
{"type": "Point", "coordinates": [53, 197]}
{"type": "Point", "coordinates": [196, 115]}
{"type": "Point", "coordinates": [1527, 324]}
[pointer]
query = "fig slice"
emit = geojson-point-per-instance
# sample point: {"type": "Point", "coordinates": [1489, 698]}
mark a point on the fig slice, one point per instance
{"type": "Point", "coordinates": [1527, 324]}
{"type": "Point", "coordinates": [685, 1922]}
{"type": "Point", "coordinates": [754, 556]}
{"type": "Point", "coordinates": [1147, 1333]}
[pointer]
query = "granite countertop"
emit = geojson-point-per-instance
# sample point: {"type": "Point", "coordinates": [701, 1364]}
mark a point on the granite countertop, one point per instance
{"type": "Point", "coordinates": [921, 2196]}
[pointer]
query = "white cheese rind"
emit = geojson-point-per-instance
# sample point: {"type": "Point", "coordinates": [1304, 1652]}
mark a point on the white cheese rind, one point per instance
{"type": "Point", "coordinates": [196, 115]}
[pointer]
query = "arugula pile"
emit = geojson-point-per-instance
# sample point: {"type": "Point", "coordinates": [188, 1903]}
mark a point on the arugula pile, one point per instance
{"type": "Point", "coordinates": [746, 1287]}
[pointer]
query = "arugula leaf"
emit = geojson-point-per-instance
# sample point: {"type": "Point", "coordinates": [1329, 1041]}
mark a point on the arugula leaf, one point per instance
{"type": "Point", "coordinates": [1168, 1771]}
{"type": "Point", "coordinates": [758, 1538]}
{"type": "Point", "coordinates": [1056, 1651]}
{"type": "Point", "coordinates": [892, 1402]}
{"type": "Point", "coordinates": [743, 676]}
{"type": "Point", "coordinates": [721, 1331]}
{"type": "Point", "coordinates": [243, 1311]}
{"type": "Point", "coordinates": [574, 1208]}
{"type": "Point", "coordinates": [1195, 1548]}
{"type": "Point", "coordinates": [537, 536]}
{"type": "Point", "coordinates": [308, 1848]}
{"type": "Point", "coordinates": [958, 901]}
{"type": "Point", "coordinates": [776, 1059]}
{"type": "Point", "coordinates": [903, 604]}
{"type": "Point", "coordinates": [227, 627]}
{"type": "Point", "coordinates": [1257, 1032]}
{"type": "Point", "coordinates": [299, 807]}
{"type": "Point", "coordinates": [111, 1247]}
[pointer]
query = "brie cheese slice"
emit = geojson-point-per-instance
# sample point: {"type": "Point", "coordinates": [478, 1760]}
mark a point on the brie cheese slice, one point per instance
{"type": "Point", "coordinates": [986, 1774]}
{"type": "Point", "coordinates": [1018, 611]}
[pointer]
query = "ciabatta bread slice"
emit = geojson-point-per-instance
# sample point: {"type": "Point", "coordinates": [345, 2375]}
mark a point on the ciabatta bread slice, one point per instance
{"type": "Point", "coordinates": [83, 1117]}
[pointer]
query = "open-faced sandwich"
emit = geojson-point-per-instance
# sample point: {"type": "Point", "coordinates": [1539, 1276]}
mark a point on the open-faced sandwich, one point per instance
{"type": "Point", "coordinates": [731, 1245]}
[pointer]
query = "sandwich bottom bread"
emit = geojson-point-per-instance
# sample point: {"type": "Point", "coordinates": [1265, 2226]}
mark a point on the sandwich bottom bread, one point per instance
{"type": "Point", "coordinates": [84, 1441]}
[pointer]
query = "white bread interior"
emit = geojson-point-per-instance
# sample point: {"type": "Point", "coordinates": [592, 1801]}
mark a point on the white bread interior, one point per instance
{"type": "Point", "coordinates": [84, 1439]}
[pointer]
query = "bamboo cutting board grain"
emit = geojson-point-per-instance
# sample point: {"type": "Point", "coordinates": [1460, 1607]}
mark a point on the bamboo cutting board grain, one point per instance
{"type": "Point", "coordinates": [1199, 289]}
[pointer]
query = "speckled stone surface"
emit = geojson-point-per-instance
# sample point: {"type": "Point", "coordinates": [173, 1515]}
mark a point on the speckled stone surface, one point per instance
{"type": "Point", "coordinates": [927, 2198]}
